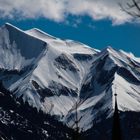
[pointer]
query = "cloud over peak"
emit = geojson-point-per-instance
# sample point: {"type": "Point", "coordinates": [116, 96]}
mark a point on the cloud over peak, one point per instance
{"type": "Point", "coordinates": [58, 10]}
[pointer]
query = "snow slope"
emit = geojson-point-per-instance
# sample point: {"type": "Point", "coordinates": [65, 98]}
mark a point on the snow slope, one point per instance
{"type": "Point", "coordinates": [15, 45]}
{"type": "Point", "coordinates": [111, 72]}
{"type": "Point", "coordinates": [57, 75]}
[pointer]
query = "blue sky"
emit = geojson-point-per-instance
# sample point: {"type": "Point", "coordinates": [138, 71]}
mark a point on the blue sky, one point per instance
{"type": "Point", "coordinates": [97, 31]}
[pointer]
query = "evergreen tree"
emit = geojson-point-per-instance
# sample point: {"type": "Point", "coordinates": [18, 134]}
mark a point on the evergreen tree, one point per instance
{"type": "Point", "coordinates": [116, 131]}
{"type": "Point", "coordinates": [77, 134]}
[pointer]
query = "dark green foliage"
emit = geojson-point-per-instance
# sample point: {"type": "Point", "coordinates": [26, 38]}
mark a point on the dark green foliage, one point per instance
{"type": "Point", "coordinates": [19, 121]}
{"type": "Point", "coordinates": [116, 130]}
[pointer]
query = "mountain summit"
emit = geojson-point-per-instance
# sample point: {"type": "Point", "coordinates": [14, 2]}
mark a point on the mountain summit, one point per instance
{"type": "Point", "coordinates": [67, 79]}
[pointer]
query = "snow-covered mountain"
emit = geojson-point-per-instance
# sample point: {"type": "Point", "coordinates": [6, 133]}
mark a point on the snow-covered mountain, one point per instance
{"type": "Point", "coordinates": [56, 76]}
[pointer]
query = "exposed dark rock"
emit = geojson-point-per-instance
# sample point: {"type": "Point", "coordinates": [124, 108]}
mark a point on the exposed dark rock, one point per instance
{"type": "Point", "coordinates": [64, 62]}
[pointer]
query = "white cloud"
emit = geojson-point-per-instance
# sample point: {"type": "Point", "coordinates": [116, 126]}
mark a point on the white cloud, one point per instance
{"type": "Point", "coordinates": [58, 10]}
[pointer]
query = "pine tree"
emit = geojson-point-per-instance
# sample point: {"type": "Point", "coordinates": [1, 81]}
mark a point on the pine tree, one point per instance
{"type": "Point", "coordinates": [76, 134]}
{"type": "Point", "coordinates": [116, 131]}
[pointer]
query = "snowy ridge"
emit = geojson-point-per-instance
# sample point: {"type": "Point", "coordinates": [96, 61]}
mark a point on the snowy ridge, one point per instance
{"type": "Point", "coordinates": [54, 75]}
{"type": "Point", "coordinates": [12, 48]}
{"type": "Point", "coordinates": [111, 72]}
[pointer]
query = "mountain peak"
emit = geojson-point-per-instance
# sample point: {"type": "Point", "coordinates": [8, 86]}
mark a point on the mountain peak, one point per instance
{"type": "Point", "coordinates": [109, 50]}
{"type": "Point", "coordinates": [9, 26]}
{"type": "Point", "coordinates": [52, 76]}
{"type": "Point", "coordinates": [40, 33]}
